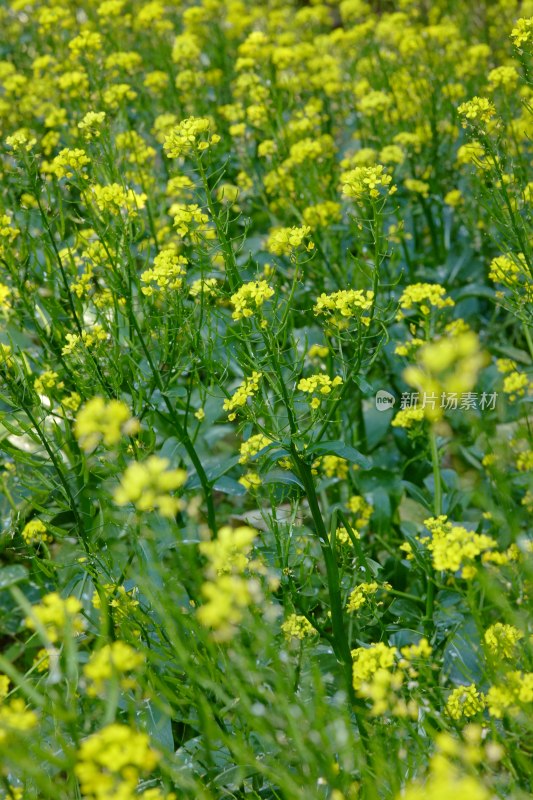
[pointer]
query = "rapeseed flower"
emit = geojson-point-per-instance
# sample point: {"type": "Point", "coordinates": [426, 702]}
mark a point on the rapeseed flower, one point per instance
{"type": "Point", "coordinates": [148, 485]}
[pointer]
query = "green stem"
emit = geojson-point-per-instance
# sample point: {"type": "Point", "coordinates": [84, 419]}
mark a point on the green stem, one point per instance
{"type": "Point", "coordinates": [528, 339]}
{"type": "Point", "coordinates": [340, 641]}
{"type": "Point", "coordinates": [437, 501]}
{"type": "Point", "coordinates": [182, 431]}
{"type": "Point", "coordinates": [56, 464]}
{"type": "Point", "coordinates": [437, 509]}
{"type": "Point", "coordinates": [227, 247]}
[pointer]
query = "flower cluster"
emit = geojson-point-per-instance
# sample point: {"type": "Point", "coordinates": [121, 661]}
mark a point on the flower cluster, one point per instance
{"type": "Point", "coordinates": [346, 303]}
{"type": "Point", "coordinates": [453, 547]}
{"type": "Point", "coordinates": [115, 199]}
{"type": "Point", "coordinates": [501, 639]}
{"type": "Point", "coordinates": [46, 382]}
{"type": "Point", "coordinates": [70, 162]}
{"type": "Point", "coordinates": [239, 398]}
{"type": "Point", "coordinates": [465, 701]}
{"type": "Point", "coordinates": [192, 135]}
{"type": "Point", "coordinates": [35, 532]}
{"type": "Point", "coordinates": [479, 109]}
{"type": "Point", "coordinates": [116, 660]}
{"type": "Point", "coordinates": [228, 591]}
{"type": "Point", "coordinates": [148, 485]}
{"type": "Point", "coordinates": [112, 761]}
{"type": "Point", "coordinates": [88, 339]}
{"type": "Point", "coordinates": [298, 627]}
{"type": "Point", "coordinates": [508, 697]}
{"type": "Point", "coordinates": [166, 273]}
{"type": "Point", "coordinates": [286, 241]}
{"type": "Point", "coordinates": [362, 593]}
{"type": "Point", "coordinates": [423, 297]}
{"type": "Point", "coordinates": [56, 616]}
{"type": "Point", "coordinates": [318, 386]}
{"type": "Point", "coordinates": [252, 446]}
{"type": "Point", "coordinates": [448, 365]}
{"type": "Point", "coordinates": [249, 299]}
{"type": "Point", "coordinates": [364, 183]}
{"type": "Point", "coordinates": [103, 421]}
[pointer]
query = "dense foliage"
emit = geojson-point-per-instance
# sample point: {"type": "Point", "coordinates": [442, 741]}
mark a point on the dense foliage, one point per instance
{"type": "Point", "coordinates": [266, 283]}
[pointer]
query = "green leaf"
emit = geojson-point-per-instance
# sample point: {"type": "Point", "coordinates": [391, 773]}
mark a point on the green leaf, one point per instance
{"type": "Point", "coordinates": [11, 575]}
{"type": "Point", "coordinates": [283, 476]}
{"type": "Point", "coordinates": [377, 424]}
{"type": "Point", "coordinates": [338, 448]}
{"type": "Point", "coordinates": [463, 655]}
{"type": "Point", "coordinates": [227, 485]}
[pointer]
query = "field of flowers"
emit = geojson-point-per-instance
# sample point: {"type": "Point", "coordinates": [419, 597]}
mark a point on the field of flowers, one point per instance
{"type": "Point", "coordinates": [266, 311]}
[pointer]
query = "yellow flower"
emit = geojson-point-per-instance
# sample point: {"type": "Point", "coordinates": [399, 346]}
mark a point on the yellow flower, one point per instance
{"type": "Point", "coordinates": [408, 417]}
{"type": "Point", "coordinates": [113, 660]}
{"type": "Point", "coordinates": [57, 615]}
{"type": "Point", "coordinates": [367, 660]}
{"type": "Point", "coordinates": [239, 398]}
{"type": "Point", "coordinates": [103, 421]}
{"type": "Point", "coordinates": [507, 697]}
{"type": "Point", "coordinates": [317, 386]}
{"type": "Point", "coordinates": [501, 639]}
{"type": "Point", "coordinates": [346, 303]}
{"type": "Point", "coordinates": [252, 446]}
{"type": "Point", "coordinates": [167, 272]}
{"type": "Point", "coordinates": [361, 509]}
{"type": "Point", "coordinates": [192, 135]}
{"type": "Point", "coordinates": [229, 551]}
{"type": "Point", "coordinates": [47, 381]}
{"type": "Point", "coordinates": [113, 760]}
{"type": "Point", "coordinates": [35, 532]}
{"type": "Point", "coordinates": [465, 701]}
{"type": "Point", "coordinates": [367, 182]}
{"type": "Point", "coordinates": [450, 365]}
{"type": "Point", "coordinates": [250, 480]}
{"type": "Point", "coordinates": [317, 351]}
{"type": "Point", "coordinates": [414, 651]}
{"type": "Point", "coordinates": [15, 718]}
{"type": "Point", "coordinates": [4, 686]}
{"type": "Point", "coordinates": [86, 43]}
{"type": "Point", "coordinates": [286, 241]}
{"type": "Point", "coordinates": [505, 77]}
{"type": "Point", "coordinates": [359, 596]}
{"type": "Point", "coordinates": [445, 781]}
{"type": "Point", "coordinates": [249, 298]}
{"type": "Point", "coordinates": [454, 198]}
{"type": "Point", "coordinates": [524, 461]}
{"type": "Point", "coordinates": [322, 214]}
{"type": "Point", "coordinates": [297, 627]}
{"type": "Point", "coordinates": [147, 486]}
{"type": "Point", "coordinates": [69, 162]}
{"type": "Point", "coordinates": [122, 601]}
{"type": "Point", "coordinates": [479, 109]}
{"type": "Point", "coordinates": [508, 269]}
{"type": "Point", "coordinates": [419, 187]}
{"type": "Point", "coordinates": [522, 33]}
{"type": "Point", "coordinates": [114, 199]}
{"type": "Point", "coordinates": [91, 124]}
{"type": "Point", "coordinates": [453, 547]}
{"type": "Point", "coordinates": [190, 220]}
{"type": "Point", "coordinates": [225, 601]}
{"type": "Point", "coordinates": [203, 287]}
{"type": "Point", "coordinates": [332, 466]}
{"type": "Point", "coordinates": [516, 384]}
{"type": "Point", "coordinates": [424, 297]}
